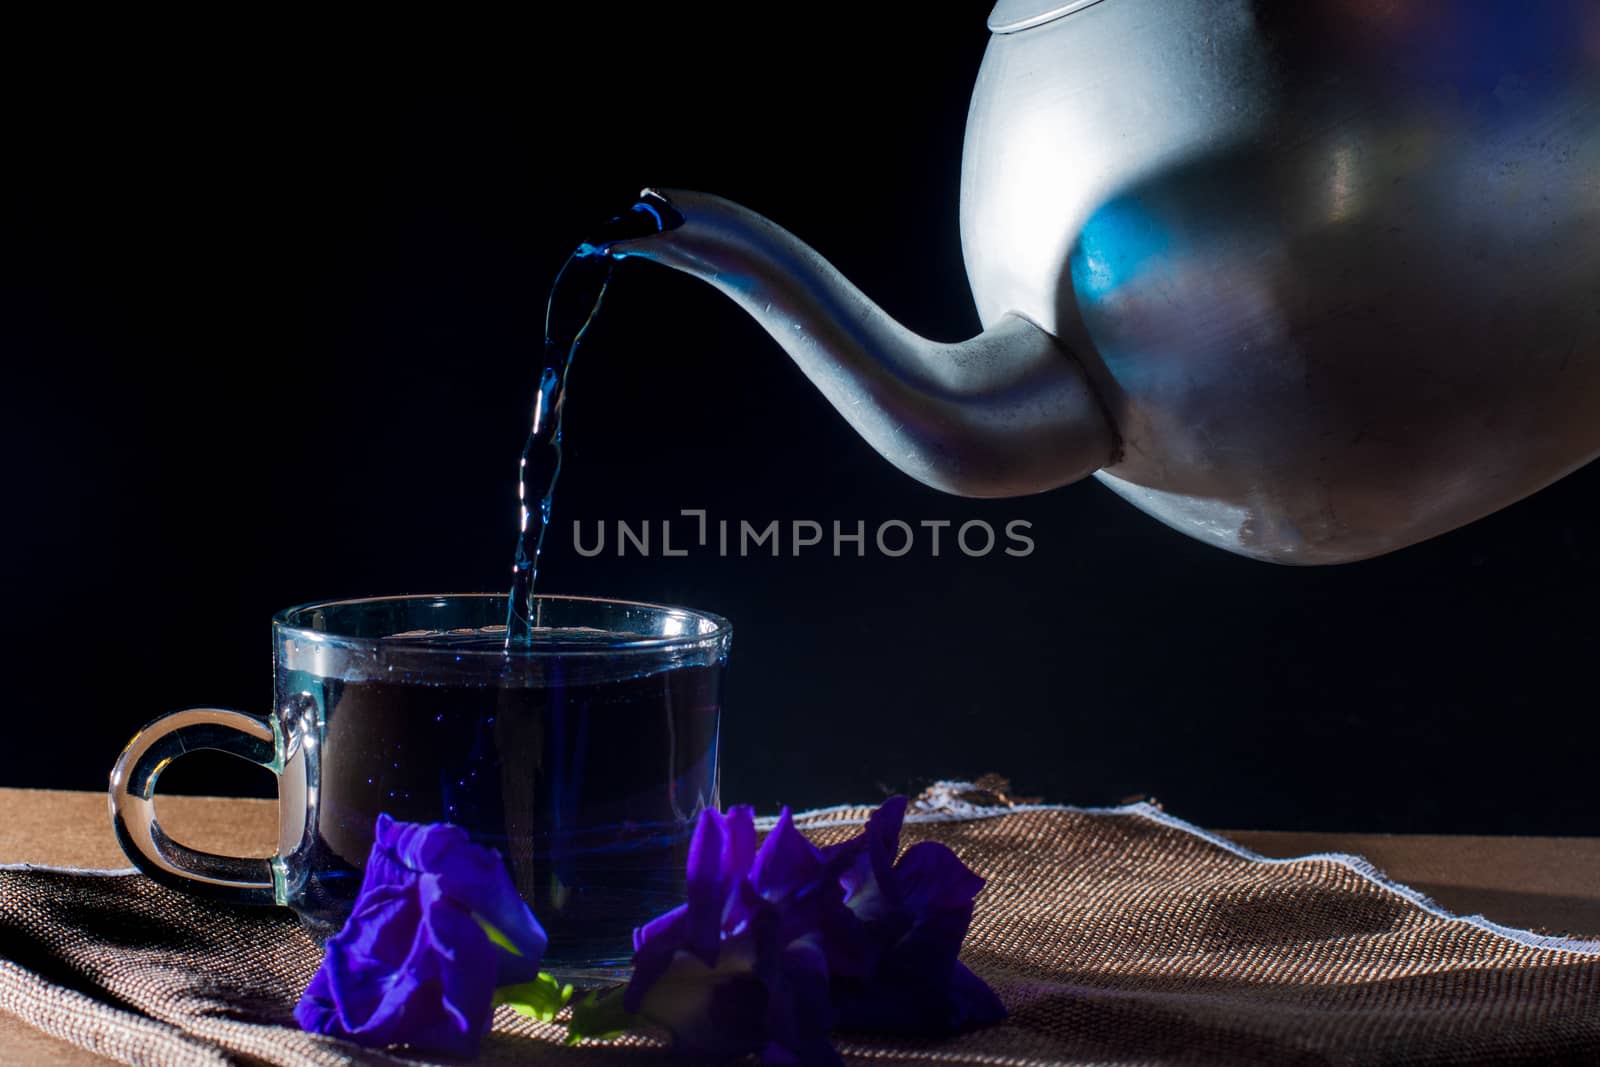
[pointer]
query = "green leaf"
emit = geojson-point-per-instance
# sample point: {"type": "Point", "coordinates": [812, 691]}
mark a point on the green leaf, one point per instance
{"type": "Point", "coordinates": [599, 1016]}
{"type": "Point", "coordinates": [539, 999]}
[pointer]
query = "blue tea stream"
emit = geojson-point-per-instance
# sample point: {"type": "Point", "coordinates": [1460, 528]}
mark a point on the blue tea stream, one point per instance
{"type": "Point", "coordinates": [586, 772]}
{"type": "Point", "coordinates": [575, 299]}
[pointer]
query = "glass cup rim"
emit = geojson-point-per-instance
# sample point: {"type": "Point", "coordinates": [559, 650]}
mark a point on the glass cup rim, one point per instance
{"type": "Point", "coordinates": [721, 629]}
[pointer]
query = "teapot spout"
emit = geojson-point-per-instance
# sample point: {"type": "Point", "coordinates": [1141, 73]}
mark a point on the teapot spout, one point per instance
{"type": "Point", "coordinates": [1006, 413]}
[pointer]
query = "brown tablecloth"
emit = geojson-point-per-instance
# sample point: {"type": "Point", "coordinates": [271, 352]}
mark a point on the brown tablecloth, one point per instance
{"type": "Point", "coordinates": [1117, 936]}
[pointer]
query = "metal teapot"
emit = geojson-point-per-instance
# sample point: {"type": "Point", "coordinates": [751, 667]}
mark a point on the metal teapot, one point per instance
{"type": "Point", "coordinates": [1307, 281]}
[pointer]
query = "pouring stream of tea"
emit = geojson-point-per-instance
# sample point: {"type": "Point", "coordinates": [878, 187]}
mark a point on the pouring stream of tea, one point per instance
{"type": "Point", "coordinates": [575, 299]}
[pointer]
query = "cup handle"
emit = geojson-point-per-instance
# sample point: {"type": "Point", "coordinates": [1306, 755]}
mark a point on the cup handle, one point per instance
{"type": "Point", "coordinates": [235, 879]}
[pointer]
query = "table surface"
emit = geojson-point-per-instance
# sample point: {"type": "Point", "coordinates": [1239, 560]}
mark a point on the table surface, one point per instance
{"type": "Point", "coordinates": [1546, 883]}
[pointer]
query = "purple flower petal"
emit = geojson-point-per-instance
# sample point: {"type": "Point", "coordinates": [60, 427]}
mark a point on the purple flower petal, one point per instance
{"type": "Point", "coordinates": [739, 848]}
{"type": "Point", "coordinates": [720, 854]}
{"type": "Point", "coordinates": [883, 835]}
{"type": "Point", "coordinates": [959, 1002]}
{"type": "Point", "coordinates": [916, 913]}
{"type": "Point", "coordinates": [414, 963]}
{"type": "Point", "coordinates": [777, 944]}
{"type": "Point", "coordinates": [930, 878]}
{"type": "Point", "coordinates": [655, 946]}
{"type": "Point", "coordinates": [383, 866]}
{"type": "Point", "coordinates": [925, 953]}
{"type": "Point", "coordinates": [786, 864]}
{"type": "Point", "coordinates": [361, 961]}
{"type": "Point", "coordinates": [867, 880]}
{"type": "Point", "coordinates": [662, 928]}
{"type": "Point", "coordinates": [725, 1001]}
{"type": "Point", "coordinates": [465, 964]}
{"type": "Point", "coordinates": [710, 1011]}
{"type": "Point", "coordinates": [800, 1014]}
{"type": "Point", "coordinates": [705, 870]}
{"type": "Point", "coordinates": [476, 879]}
{"type": "Point", "coordinates": [974, 1003]}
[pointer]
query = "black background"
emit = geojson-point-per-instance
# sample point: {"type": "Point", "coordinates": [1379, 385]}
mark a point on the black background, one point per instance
{"type": "Point", "coordinates": [270, 297]}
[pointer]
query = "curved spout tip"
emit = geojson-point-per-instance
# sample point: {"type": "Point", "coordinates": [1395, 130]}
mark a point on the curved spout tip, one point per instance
{"type": "Point", "coordinates": [659, 205]}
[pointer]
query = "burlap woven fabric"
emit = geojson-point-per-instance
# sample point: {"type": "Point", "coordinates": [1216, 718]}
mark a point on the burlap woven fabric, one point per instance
{"type": "Point", "coordinates": [1114, 937]}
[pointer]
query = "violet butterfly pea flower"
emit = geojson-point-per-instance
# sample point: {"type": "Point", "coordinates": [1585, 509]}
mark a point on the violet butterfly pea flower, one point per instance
{"type": "Point", "coordinates": [915, 914]}
{"type": "Point", "coordinates": [743, 967]}
{"type": "Point", "coordinates": [436, 927]}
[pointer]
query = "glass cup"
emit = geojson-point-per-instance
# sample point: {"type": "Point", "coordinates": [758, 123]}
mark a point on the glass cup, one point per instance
{"type": "Point", "coordinates": [584, 757]}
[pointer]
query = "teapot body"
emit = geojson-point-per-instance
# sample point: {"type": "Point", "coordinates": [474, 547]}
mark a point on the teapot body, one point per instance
{"type": "Point", "coordinates": [1333, 268]}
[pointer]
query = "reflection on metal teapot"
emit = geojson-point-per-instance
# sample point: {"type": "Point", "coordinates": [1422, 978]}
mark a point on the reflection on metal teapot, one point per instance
{"type": "Point", "coordinates": [1309, 282]}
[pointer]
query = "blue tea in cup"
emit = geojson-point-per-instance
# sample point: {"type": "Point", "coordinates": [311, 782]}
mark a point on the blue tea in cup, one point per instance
{"type": "Point", "coordinates": [583, 756]}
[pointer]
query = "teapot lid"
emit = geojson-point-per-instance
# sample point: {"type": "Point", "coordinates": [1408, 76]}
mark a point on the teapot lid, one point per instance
{"type": "Point", "coordinates": [1010, 16]}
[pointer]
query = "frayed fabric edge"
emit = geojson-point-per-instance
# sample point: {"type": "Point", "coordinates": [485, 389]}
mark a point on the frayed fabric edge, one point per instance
{"type": "Point", "coordinates": [941, 803]}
